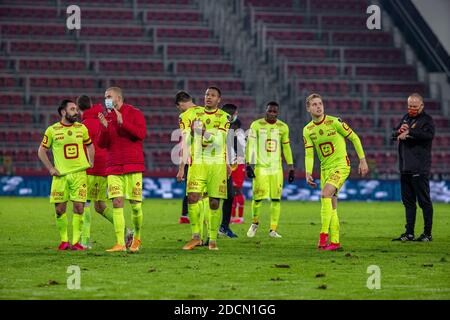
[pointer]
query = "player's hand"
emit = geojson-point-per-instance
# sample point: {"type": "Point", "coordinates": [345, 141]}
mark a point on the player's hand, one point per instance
{"type": "Point", "coordinates": [119, 117]}
{"type": "Point", "coordinates": [229, 170]}
{"type": "Point", "coordinates": [198, 127]}
{"type": "Point", "coordinates": [291, 176]}
{"type": "Point", "coordinates": [363, 169]}
{"type": "Point", "coordinates": [310, 181]}
{"type": "Point", "coordinates": [403, 135]}
{"type": "Point", "coordinates": [180, 175]}
{"type": "Point", "coordinates": [250, 172]}
{"type": "Point", "coordinates": [403, 128]}
{"type": "Point", "coordinates": [102, 119]}
{"type": "Point", "coordinates": [54, 172]}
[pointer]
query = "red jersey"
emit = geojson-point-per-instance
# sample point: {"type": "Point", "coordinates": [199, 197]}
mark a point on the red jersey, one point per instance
{"type": "Point", "coordinates": [124, 143]}
{"type": "Point", "coordinates": [91, 121]}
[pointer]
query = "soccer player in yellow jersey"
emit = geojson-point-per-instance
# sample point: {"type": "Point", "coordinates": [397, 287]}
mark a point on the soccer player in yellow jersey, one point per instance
{"type": "Point", "coordinates": [189, 113]}
{"type": "Point", "coordinates": [327, 134]}
{"type": "Point", "coordinates": [267, 138]}
{"type": "Point", "coordinates": [208, 170]}
{"type": "Point", "coordinates": [66, 139]}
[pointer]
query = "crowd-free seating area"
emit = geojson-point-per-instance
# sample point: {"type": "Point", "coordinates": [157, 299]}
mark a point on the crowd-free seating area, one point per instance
{"type": "Point", "coordinates": [164, 46]}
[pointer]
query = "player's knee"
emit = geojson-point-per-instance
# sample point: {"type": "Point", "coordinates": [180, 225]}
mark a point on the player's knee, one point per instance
{"type": "Point", "coordinates": [326, 193]}
{"type": "Point", "coordinates": [214, 204]}
{"type": "Point", "coordinates": [78, 208]}
{"type": "Point", "coordinates": [193, 198]}
{"type": "Point", "coordinates": [117, 202]}
{"type": "Point", "coordinates": [60, 209]}
{"type": "Point", "coordinates": [100, 207]}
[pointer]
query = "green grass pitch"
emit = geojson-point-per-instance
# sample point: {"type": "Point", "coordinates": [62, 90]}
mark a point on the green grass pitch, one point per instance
{"type": "Point", "coordinates": [243, 268]}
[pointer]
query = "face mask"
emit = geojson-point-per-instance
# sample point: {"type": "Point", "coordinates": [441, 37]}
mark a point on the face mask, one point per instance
{"type": "Point", "coordinates": [109, 104]}
{"type": "Point", "coordinates": [413, 112]}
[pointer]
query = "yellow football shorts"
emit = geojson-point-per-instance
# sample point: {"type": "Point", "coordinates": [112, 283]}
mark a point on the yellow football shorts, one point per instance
{"type": "Point", "coordinates": [72, 187]}
{"type": "Point", "coordinates": [127, 185]}
{"type": "Point", "coordinates": [267, 184]}
{"type": "Point", "coordinates": [210, 178]}
{"type": "Point", "coordinates": [96, 188]}
{"type": "Point", "coordinates": [334, 176]}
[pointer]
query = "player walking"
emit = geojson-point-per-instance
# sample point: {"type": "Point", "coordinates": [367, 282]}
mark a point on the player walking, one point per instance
{"type": "Point", "coordinates": [327, 135]}
{"type": "Point", "coordinates": [267, 138]}
{"type": "Point", "coordinates": [209, 169]}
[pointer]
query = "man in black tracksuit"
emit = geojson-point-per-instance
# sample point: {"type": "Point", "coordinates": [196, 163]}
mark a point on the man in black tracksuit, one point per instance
{"type": "Point", "coordinates": [415, 135]}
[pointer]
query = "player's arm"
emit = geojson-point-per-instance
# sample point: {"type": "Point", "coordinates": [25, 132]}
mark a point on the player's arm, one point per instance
{"type": "Point", "coordinates": [309, 158]}
{"type": "Point", "coordinates": [42, 152]}
{"type": "Point", "coordinates": [103, 137]}
{"type": "Point", "coordinates": [251, 151]}
{"type": "Point", "coordinates": [422, 131]}
{"type": "Point", "coordinates": [344, 130]}
{"type": "Point", "coordinates": [286, 146]}
{"type": "Point", "coordinates": [185, 127]}
{"type": "Point", "coordinates": [89, 146]}
{"type": "Point", "coordinates": [135, 125]}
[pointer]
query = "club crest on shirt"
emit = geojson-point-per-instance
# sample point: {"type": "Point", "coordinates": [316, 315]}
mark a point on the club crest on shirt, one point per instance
{"type": "Point", "coordinates": [321, 132]}
{"type": "Point", "coordinates": [69, 133]}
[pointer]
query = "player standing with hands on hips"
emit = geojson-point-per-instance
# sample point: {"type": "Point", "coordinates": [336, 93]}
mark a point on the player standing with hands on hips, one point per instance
{"type": "Point", "coordinates": [122, 134]}
{"type": "Point", "coordinates": [327, 135]}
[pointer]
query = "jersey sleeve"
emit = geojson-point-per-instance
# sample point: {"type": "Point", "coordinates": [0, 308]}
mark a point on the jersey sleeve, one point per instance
{"type": "Point", "coordinates": [344, 130]}
{"type": "Point", "coordinates": [251, 144]}
{"type": "Point", "coordinates": [86, 138]}
{"type": "Point", "coordinates": [48, 138]}
{"type": "Point", "coordinates": [185, 121]}
{"type": "Point", "coordinates": [285, 143]}
{"type": "Point", "coordinates": [309, 151]}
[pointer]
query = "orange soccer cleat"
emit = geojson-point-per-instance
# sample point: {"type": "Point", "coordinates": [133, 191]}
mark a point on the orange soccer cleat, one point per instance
{"type": "Point", "coordinates": [135, 246]}
{"type": "Point", "coordinates": [192, 244]}
{"type": "Point", "coordinates": [117, 248]}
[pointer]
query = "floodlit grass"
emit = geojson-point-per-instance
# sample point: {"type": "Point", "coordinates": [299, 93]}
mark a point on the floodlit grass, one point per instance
{"type": "Point", "coordinates": [243, 268]}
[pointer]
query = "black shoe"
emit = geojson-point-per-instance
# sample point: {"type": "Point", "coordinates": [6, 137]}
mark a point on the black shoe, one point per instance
{"type": "Point", "coordinates": [405, 237]}
{"type": "Point", "coordinates": [424, 238]}
{"type": "Point", "coordinates": [227, 232]}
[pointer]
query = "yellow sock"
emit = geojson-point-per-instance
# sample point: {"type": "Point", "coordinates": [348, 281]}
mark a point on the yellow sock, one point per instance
{"type": "Point", "coordinates": [256, 208]}
{"type": "Point", "coordinates": [325, 214]}
{"type": "Point", "coordinates": [275, 209]}
{"type": "Point", "coordinates": [334, 227]}
{"type": "Point", "coordinates": [61, 223]}
{"type": "Point", "coordinates": [77, 225]}
{"type": "Point", "coordinates": [137, 217]}
{"type": "Point", "coordinates": [194, 217]}
{"type": "Point", "coordinates": [119, 225]}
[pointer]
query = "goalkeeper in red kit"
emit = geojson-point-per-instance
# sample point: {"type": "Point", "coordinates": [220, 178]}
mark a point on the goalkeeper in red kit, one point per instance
{"type": "Point", "coordinates": [122, 134]}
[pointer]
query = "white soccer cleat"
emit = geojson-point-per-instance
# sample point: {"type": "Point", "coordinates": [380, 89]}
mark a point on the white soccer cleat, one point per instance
{"type": "Point", "coordinates": [274, 234]}
{"type": "Point", "coordinates": [252, 230]}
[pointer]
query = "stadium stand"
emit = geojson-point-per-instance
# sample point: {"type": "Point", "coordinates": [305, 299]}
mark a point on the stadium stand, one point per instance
{"type": "Point", "coordinates": [162, 46]}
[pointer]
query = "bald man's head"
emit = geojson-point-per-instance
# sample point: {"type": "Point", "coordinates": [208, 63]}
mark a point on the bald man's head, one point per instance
{"type": "Point", "coordinates": [415, 104]}
{"type": "Point", "coordinates": [116, 95]}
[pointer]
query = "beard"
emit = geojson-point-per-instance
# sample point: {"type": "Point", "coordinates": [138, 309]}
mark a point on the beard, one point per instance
{"type": "Point", "coordinates": [72, 119]}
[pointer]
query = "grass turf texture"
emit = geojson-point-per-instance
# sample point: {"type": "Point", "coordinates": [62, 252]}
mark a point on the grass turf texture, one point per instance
{"type": "Point", "coordinates": [243, 268]}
